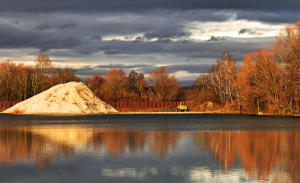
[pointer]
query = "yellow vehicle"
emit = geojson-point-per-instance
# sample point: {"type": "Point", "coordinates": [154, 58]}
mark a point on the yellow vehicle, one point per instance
{"type": "Point", "coordinates": [182, 108]}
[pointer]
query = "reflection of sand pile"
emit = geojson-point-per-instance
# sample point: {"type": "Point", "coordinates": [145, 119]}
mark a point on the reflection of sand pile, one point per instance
{"type": "Point", "coordinates": [18, 144]}
{"type": "Point", "coordinates": [69, 98]}
{"type": "Point", "coordinates": [71, 136]}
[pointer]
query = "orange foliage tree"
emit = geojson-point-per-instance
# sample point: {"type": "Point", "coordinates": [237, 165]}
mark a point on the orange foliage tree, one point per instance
{"type": "Point", "coordinates": [165, 87]}
{"type": "Point", "coordinates": [136, 85]}
{"type": "Point", "coordinates": [114, 86]}
{"type": "Point", "coordinates": [204, 90]}
{"type": "Point", "coordinates": [63, 76]}
{"type": "Point", "coordinates": [262, 83]}
{"type": "Point", "coordinates": [19, 82]}
{"type": "Point", "coordinates": [95, 84]}
{"type": "Point", "coordinates": [287, 51]}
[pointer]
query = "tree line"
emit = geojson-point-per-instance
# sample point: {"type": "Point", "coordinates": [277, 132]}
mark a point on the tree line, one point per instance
{"type": "Point", "coordinates": [116, 85]}
{"type": "Point", "coordinates": [19, 82]}
{"type": "Point", "coordinates": [266, 81]}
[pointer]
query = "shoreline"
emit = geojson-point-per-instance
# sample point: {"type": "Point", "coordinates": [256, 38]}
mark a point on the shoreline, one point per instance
{"type": "Point", "coordinates": [141, 113]}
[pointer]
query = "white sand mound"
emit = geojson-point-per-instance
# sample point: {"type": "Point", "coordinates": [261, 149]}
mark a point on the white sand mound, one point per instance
{"type": "Point", "coordinates": [69, 98]}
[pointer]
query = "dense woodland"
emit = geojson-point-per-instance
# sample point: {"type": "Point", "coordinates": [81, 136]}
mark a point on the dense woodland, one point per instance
{"type": "Point", "coordinates": [267, 81]}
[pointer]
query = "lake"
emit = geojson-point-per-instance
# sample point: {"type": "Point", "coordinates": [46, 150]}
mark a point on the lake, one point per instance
{"type": "Point", "coordinates": [157, 148]}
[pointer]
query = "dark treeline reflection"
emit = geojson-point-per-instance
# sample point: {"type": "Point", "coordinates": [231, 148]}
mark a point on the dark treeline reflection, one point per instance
{"type": "Point", "coordinates": [18, 144]}
{"type": "Point", "coordinates": [259, 152]}
{"type": "Point", "coordinates": [116, 142]}
{"type": "Point", "coordinates": [43, 143]}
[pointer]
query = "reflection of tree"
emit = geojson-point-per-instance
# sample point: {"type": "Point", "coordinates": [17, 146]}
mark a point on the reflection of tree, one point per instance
{"type": "Point", "coordinates": [17, 144]}
{"type": "Point", "coordinates": [259, 152]}
{"type": "Point", "coordinates": [116, 141]}
{"type": "Point", "coordinates": [162, 142]}
{"type": "Point", "coordinates": [43, 143]}
{"type": "Point", "coordinates": [222, 146]}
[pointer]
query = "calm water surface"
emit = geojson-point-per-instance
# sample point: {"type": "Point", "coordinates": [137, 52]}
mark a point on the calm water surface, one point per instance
{"type": "Point", "coordinates": [149, 148]}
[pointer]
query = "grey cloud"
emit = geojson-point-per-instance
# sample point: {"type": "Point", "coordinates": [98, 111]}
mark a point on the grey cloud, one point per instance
{"type": "Point", "coordinates": [286, 16]}
{"type": "Point", "coordinates": [213, 38]}
{"type": "Point", "coordinates": [166, 34]}
{"type": "Point", "coordinates": [243, 31]}
{"type": "Point", "coordinates": [181, 48]}
{"type": "Point", "coordinates": [95, 38]}
{"type": "Point", "coordinates": [86, 38]}
{"type": "Point", "coordinates": [11, 37]}
{"type": "Point", "coordinates": [89, 70]}
{"type": "Point", "coordinates": [144, 68]}
{"type": "Point", "coordinates": [122, 66]}
{"type": "Point", "coordinates": [102, 69]}
{"type": "Point", "coordinates": [138, 5]}
{"type": "Point", "coordinates": [87, 33]}
{"type": "Point", "coordinates": [45, 26]}
{"type": "Point", "coordinates": [190, 68]}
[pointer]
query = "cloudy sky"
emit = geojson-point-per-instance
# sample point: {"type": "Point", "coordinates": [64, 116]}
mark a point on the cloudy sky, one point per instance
{"type": "Point", "coordinates": [186, 36]}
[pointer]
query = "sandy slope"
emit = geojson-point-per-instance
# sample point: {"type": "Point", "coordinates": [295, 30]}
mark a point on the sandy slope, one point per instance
{"type": "Point", "coordinates": [70, 98]}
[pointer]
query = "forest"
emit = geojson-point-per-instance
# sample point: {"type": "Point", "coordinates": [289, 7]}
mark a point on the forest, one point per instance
{"type": "Point", "coordinates": [267, 81]}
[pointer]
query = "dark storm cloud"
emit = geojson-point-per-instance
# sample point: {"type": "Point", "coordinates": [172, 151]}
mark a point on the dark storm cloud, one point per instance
{"type": "Point", "coordinates": [121, 66]}
{"type": "Point", "coordinates": [142, 5]}
{"type": "Point", "coordinates": [243, 31]}
{"type": "Point", "coordinates": [166, 34]}
{"type": "Point", "coordinates": [144, 68]}
{"type": "Point", "coordinates": [179, 48]}
{"type": "Point", "coordinates": [85, 36]}
{"type": "Point", "coordinates": [45, 26]}
{"type": "Point", "coordinates": [84, 33]}
{"type": "Point", "coordinates": [16, 38]}
{"type": "Point", "coordinates": [213, 38]}
{"type": "Point", "coordinates": [285, 16]}
{"type": "Point", "coordinates": [89, 70]}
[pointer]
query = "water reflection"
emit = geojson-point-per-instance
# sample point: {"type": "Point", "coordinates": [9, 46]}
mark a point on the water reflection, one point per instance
{"type": "Point", "coordinates": [20, 144]}
{"type": "Point", "coordinates": [272, 155]}
{"type": "Point", "coordinates": [260, 152]}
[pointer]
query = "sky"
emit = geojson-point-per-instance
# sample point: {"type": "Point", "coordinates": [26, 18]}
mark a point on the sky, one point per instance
{"type": "Point", "coordinates": [185, 36]}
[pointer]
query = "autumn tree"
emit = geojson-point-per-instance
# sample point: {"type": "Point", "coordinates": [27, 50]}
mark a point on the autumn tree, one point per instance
{"type": "Point", "coordinates": [7, 74]}
{"type": "Point", "coordinates": [287, 51]}
{"type": "Point", "coordinates": [65, 75]}
{"type": "Point", "coordinates": [43, 63]}
{"type": "Point", "coordinates": [165, 87]}
{"type": "Point", "coordinates": [136, 84]}
{"type": "Point", "coordinates": [19, 82]}
{"type": "Point", "coordinates": [114, 86]}
{"type": "Point", "coordinates": [262, 83]}
{"type": "Point", "coordinates": [223, 79]}
{"type": "Point", "coordinates": [43, 66]}
{"type": "Point", "coordinates": [95, 83]}
{"type": "Point", "coordinates": [203, 89]}
{"type": "Point", "coordinates": [21, 85]}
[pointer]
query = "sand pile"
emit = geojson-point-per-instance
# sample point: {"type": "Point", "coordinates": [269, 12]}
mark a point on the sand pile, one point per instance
{"type": "Point", "coordinates": [69, 98]}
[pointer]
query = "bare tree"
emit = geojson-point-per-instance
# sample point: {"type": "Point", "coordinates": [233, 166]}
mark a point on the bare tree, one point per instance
{"type": "Point", "coordinates": [223, 79]}
{"type": "Point", "coordinates": [43, 63]}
